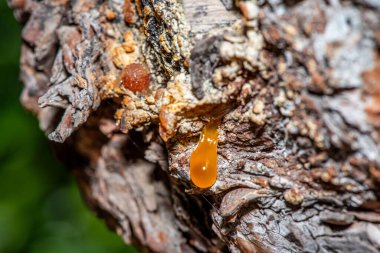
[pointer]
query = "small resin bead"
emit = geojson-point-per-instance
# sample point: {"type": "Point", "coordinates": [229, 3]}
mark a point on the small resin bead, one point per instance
{"type": "Point", "coordinates": [135, 77]}
{"type": "Point", "coordinates": [203, 160]}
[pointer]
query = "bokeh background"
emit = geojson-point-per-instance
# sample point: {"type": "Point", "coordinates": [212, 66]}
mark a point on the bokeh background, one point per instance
{"type": "Point", "coordinates": [41, 210]}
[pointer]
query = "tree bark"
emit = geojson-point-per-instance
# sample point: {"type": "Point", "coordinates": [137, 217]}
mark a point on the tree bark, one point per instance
{"type": "Point", "coordinates": [297, 84]}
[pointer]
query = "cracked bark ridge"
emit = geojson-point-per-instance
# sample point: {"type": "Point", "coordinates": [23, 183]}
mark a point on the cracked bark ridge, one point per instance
{"type": "Point", "coordinates": [296, 82]}
{"type": "Point", "coordinates": [54, 79]}
{"type": "Point", "coordinates": [203, 67]}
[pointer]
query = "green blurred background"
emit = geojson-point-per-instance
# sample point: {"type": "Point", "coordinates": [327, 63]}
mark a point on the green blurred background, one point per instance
{"type": "Point", "coordinates": [41, 210]}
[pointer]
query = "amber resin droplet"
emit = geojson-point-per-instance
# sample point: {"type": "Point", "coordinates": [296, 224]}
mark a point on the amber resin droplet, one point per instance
{"type": "Point", "coordinates": [203, 160]}
{"type": "Point", "coordinates": [135, 77]}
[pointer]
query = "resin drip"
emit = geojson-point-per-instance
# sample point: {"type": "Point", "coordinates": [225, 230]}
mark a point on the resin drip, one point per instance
{"type": "Point", "coordinates": [203, 160]}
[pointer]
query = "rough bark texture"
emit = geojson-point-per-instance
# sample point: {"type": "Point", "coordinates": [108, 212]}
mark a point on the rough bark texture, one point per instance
{"type": "Point", "coordinates": [297, 84]}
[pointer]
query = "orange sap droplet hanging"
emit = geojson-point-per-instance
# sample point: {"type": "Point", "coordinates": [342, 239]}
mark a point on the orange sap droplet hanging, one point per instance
{"type": "Point", "coordinates": [203, 160]}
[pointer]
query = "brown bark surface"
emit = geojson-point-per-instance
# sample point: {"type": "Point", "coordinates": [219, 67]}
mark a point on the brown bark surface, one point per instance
{"type": "Point", "coordinates": [297, 84]}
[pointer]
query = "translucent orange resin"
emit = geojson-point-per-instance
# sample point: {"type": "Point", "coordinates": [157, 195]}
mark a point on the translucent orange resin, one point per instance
{"type": "Point", "coordinates": [203, 160]}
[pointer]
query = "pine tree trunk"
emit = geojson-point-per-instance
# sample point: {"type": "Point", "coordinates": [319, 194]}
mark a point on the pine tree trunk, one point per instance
{"type": "Point", "coordinates": [295, 83]}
